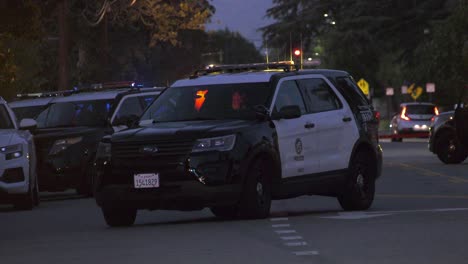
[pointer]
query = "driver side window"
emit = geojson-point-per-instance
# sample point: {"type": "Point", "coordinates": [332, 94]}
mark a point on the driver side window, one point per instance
{"type": "Point", "coordinates": [289, 94]}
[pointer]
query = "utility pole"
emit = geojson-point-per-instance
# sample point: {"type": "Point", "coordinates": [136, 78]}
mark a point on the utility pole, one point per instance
{"type": "Point", "coordinates": [63, 67]}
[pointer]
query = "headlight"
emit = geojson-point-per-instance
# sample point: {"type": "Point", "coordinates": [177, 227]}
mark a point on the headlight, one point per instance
{"type": "Point", "coordinates": [103, 151]}
{"type": "Point", "coordinates": [224, 143]}
{"type": "Point", "coordinates": [62, 144]}
{"type": "Point", "coordinates": [12, 151]}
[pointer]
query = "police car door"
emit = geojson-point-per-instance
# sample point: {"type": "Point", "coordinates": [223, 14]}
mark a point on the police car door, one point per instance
{"type": "Point", "coordinates": [334, 122]}
{"type": "Point", "coordinates": [294, 146]}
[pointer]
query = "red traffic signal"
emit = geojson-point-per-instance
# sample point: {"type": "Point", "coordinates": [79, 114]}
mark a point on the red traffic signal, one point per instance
{"type": "Point", "coordinates": [297, 52]}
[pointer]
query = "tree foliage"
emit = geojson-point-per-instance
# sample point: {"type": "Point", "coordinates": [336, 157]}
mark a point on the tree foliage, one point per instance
{"type": "Point", "coordinates": [376, 40]}
{"type": "Point", "coordinates": [162, 19]}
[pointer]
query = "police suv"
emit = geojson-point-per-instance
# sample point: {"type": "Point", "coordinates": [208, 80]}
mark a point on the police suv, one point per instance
{"type": "Point", "coordinates": [70, 128]}
{"type": "Point", "coordinates": [232, 138]}
{"type": "Point", "coordinates": [18, 179]}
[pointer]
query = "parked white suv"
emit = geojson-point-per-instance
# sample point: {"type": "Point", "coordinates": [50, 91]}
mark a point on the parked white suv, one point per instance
{"type": "Point", "coordinates": [18, 180]}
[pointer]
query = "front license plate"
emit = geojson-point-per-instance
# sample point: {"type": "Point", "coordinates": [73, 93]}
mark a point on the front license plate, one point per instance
{"type": "Point", "coordinates": [146, 180]}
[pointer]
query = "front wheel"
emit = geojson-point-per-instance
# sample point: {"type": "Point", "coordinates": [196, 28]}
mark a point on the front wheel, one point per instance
{"type": "Point", "coordinates": [449, 149]}
{"type": "Point", "coordinates": [255, 202]}
{"type": "Point", "coordinates": [119, 217]}
{"type": "Point", "coordinates": [359, 190]}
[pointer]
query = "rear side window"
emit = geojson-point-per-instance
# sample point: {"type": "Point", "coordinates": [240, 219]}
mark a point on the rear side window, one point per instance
{"type": "Point", "coordinates": [351, 91]}
{"type": "Point", "coordinates": [319, 96]}
{"type": "Point", "coordinates": [5, 120]}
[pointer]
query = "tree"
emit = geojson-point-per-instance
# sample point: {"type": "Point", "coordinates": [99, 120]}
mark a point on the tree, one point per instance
{"type": "Point", "coordinates": [443, 59]}
{"type": "Point", "coordinates": [231, 48]}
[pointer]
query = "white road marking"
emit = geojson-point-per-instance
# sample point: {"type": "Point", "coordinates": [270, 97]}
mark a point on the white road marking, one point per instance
{"type": "Point", "coordinates": [362, 215]}
{"type": "Point", "coordinates": [354, 215]}
{"type": "Point", "coordinates": [279, 219]}
{"type": "Point", "coordinates": [306, 253]}
{"type": "Point", "coordinates": [296, 244]}
{"type": "Point", "coordinates": [285, 231]}
{"type": "Point", "coordinates": [291, 237]}
{"type": "Point", "coordinates": [280, 225]}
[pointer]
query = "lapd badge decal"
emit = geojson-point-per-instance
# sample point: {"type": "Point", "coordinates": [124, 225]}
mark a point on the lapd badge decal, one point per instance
{"type": "Point", "coordinates": [298, 146]}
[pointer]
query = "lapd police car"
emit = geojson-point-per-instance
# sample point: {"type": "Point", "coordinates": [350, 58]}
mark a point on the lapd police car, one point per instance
{"type": "Point", "coordinates": [18, 180]}
{"type": "Point", "coordinates": [233, 138]}
{"type": "Point", "coordinates": [70, 129]}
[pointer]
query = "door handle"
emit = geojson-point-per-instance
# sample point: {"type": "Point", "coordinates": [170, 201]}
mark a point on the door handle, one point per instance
{"type": "Point", "coordinates": [309, 125]}
{"type": "Point", "coordinates": [347, 119]}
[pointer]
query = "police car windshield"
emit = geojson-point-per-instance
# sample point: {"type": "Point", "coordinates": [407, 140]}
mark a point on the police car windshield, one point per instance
{"type": "Point", "coordinates": [73, 114]}
{"type": "Point", "coordinates": [28, 111]}
{"type": "Point", "coordinates": [209, 102]}
{"type": "Point", "coordinates": [5, 121]}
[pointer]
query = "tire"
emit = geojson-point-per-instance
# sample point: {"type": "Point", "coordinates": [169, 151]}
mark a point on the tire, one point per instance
{"type": "Point", "coordinates": [86, 186]}
{"type": "Point", "coordinates": [395, 139]}
{"type": "Point", "coordinates": [225, 212]}
{"type": "Point", "coordinates": [255, 202]}
{"type": "Point", "coordinates": [27, 201]}
{"type": "Point", "coordinates": [449, 149]}
{"type": "Point", "coordinates": [119, 217]}
{"type": "Point", "coordinates": [359, 190]}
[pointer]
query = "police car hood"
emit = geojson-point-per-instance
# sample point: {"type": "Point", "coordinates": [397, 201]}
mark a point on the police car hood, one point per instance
{"type": "Point", "coordinates": [186, 129]}
{"type": "Point", "coordinates": [9, 137]}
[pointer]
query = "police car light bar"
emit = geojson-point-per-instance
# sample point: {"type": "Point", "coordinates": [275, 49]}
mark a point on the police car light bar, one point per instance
{"type": "Point", "coordinates": [45, 94]}
{"type": "Point", "coordinates": [282, 65]}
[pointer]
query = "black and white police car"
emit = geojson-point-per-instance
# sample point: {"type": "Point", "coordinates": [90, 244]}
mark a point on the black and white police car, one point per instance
{"type": "Point", "coordinates": [18, 178]}
{"type": "Point", "coordinates": [70, 129]}
{"type": "Point", "coordinates": [233, 138]}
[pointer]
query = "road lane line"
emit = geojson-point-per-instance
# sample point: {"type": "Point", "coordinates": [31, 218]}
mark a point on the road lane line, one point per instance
{"type": "Point", "coordinates": [296, 244]}
{"type": "Point", "coordinates": [306, 253]}
{"type": "Point", "coordinates": [279, 219]}
{"type": "Point", "coordinates": [280, 225]}
{"type": "Point", "coordinates": [291, 237]}
{"type": "Point", "coordinates": [285, 231]}
{"type": "Point", "coordinates": [426, 172]}
{"type": "Point", "coordinates": [422, 196]}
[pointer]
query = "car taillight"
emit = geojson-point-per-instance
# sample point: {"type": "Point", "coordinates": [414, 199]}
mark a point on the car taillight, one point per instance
{"type": "Point", "coordinates": [403, 114]}
{"type": "Point", "coordinates": [377, 115]}
{"type": "Point", "coordinates": [436, 111]}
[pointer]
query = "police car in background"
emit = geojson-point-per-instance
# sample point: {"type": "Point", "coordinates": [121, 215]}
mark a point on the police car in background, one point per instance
{"type": "Point", "coordinates": [32, 104]}
{"type": "Point", "coordinates": [69, 130]}
{"type": "Point", "coordinates": [233, 138]}
{"type": "Point", "coordinates": [18, 178]}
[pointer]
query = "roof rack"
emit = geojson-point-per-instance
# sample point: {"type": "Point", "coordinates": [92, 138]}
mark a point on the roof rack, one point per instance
{"type": "Point", "coordinates": [45, 94]}
{"type": "Point", "coordinates": [236, 68]}
{"type": "Point", "coordinates": [87, 88]}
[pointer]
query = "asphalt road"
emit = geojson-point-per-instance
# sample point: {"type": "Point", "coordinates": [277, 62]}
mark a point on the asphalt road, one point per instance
{"type": "Point", "coordinates": [420, 215]}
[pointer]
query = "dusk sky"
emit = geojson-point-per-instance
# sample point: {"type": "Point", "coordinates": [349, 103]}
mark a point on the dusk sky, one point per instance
{"type": "Point", "coordinates": [244, 16]}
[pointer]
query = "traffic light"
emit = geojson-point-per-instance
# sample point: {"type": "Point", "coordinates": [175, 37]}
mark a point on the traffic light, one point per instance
{"type": "Point", "coordinates": [297, 52]}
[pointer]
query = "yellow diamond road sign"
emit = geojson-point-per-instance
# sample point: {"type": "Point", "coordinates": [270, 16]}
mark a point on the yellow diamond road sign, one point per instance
{"type": "Point", "coordinates": [364, 85]}
{"type": "Point", "coordinates": [415, 92]}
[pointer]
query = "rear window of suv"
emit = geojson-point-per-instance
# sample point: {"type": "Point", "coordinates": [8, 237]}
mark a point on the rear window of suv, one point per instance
{"type": "Point", "coordinates": [420, 109]}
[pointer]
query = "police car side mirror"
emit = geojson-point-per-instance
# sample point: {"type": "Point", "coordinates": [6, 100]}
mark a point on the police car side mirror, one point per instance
{"type": "Point", "coordinates": [288, 112]}
{"type": "Point", "coordinates": [28, 124]}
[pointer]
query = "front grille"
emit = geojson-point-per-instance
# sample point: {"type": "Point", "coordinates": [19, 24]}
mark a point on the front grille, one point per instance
{"type": "Point", "coordinates": [169, 161]}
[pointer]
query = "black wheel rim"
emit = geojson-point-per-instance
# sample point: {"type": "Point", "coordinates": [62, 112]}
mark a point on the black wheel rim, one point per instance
{"type": "Point", "coordinates": [361, 181]}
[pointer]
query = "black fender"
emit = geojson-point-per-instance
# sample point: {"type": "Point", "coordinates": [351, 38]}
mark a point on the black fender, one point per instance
{"type": "Point", "coordinates": [364, 144]}
{"type": "Point", "coordinates": [263, 149]}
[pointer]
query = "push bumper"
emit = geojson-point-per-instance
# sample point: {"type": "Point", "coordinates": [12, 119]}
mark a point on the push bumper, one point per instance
{"type": "Point", "coordinates": [184, 195]}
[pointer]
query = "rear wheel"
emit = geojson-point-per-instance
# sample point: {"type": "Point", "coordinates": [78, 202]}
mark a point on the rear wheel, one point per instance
{"type": "Point", "coordinates": [256, 198]}
{"type": "Point", "coordinates": [358, 193]}
{"type": "Point", "coordinates": [449, 149]}
{"type": "Point", "coordinates": [119, 217]}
